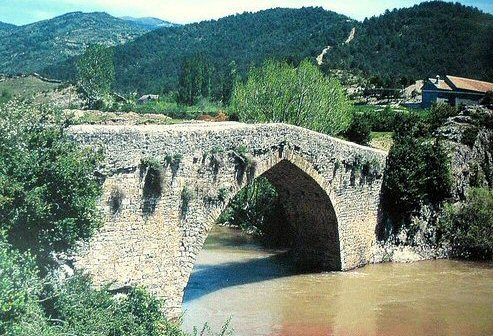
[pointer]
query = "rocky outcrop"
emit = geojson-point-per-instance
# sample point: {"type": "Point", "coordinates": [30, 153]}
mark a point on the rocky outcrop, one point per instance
{"type": "Point", "coordinates": [468, 138]}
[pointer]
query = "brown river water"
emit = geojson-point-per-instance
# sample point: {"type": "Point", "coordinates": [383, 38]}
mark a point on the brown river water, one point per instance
{"type": "Point", "coordinates": [255, 288]}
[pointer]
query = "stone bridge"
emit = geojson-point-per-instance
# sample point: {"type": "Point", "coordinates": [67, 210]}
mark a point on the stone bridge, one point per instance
{"type": "Point", "coordinates": [165, 186]}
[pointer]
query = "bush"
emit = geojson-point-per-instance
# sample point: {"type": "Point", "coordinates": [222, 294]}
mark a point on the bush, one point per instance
{"type": "Point", "coordinates": [360, 130]}
{"type": "Point", "coordinates": [86, 311]}
{"type": "Point", "coordinates": [32, 306]}
{"type": "Point", "coordinates": [5, 96]}
{"type": "Point", "coordinates": [439, 113]}
{"type": "Point", "coordinates": [48, 190]}
{"type": "Point", "coordinates": [302, 96]}
{"type": "Point", "coordinates": [469, 226]}
{"type": "Point", "coordinates": [19, 286]}
{"type": "Point", "coordinates": [417, 173]}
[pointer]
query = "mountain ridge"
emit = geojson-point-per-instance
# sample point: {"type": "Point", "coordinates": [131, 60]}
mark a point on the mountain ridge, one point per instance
{"type": "Point", "coordinates": [396, 47]}
{"type": "Point", "coordinates": [31, 47]}
{"type": "Point", "coordinates": [149, 22]}
{"type": "Point", "coordinates": [421, 41]}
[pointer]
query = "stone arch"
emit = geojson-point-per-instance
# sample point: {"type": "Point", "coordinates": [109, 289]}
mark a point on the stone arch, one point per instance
{"type": "Point", "coordinates": [309, 208]}
{"type": "Point", "coordinates": [158, 251]}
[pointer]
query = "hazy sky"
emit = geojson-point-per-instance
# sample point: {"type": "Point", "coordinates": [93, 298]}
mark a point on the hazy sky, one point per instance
{"type": "Point", "coordinates": [184, 11]}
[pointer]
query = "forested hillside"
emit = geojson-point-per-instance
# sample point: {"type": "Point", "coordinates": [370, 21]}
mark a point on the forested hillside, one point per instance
{"type": "Point", "coordinates": [394, 48]}
{"type": "Point", "coordinates": [33, 47]}
{"type": "Point", "coordinates": [6, 26]}
{"type": "Point", "coordinates": [152, 63]}
{"type": "Point", "coordinates": [425, 40]}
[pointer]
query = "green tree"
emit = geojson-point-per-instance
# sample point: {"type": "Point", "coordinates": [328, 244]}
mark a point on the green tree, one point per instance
{"type": "Point", "coordinates": [469, 226]}
{"type": "Point", "coordinates": [439, 113]}
{"type": "Point", "coordinates": [48, 190]}
{"type": "Point", "coordinates": [257, 209]}
{"type": "Point", "coordinates": [5, 96]}
{"type": "Point", "coordinates": [19, 287]}
{"type": "Point", "coordinates": [302, 96]}
{"type": "Point", "coordinates": [360, 130]}
{"type": "Point", "coordinates": [417, 172]}
{"type": "Point", "coordinates": [96, 72]}
{"type": "Point", "coordinates": [195, 80]}
{"type": "Point", "coordinates": [227, 82]}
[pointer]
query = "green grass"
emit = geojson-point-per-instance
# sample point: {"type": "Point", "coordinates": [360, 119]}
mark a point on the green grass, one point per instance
{"type": "Point", "coordinates": [120, 118]}
{"type": "Point", "coordinates": [168, 106]}
{"type": "Point", "coordinates": [382, 140]}
{"type": "Point", "coordinates": [26, 87]}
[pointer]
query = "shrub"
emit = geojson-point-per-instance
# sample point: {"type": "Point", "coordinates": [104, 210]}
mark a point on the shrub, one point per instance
{"type": "Point", "coordinates": [417, 172]}
{"type": "Point", "coordinates": [116, 199]}
{"type": "Point", "coordinates": [19, 286]}
{"type": "Point", "coordinates": [48, 190]}
{"type": "Point", "coordinates": [72, 308]}
{"type": "Point", "coordinates": [439, 113]}
{"type": "Point", "coordinates": [277, 92]}
{"type": "Point", "coordinates": [469, 226]}
{"type": "Point", "coordinates": [5, 96]}
{"type": "Point", "coordinates": [360, 130]}
{"type": "Point", "coordinates": [86, 311]}
{"type": "Point", "coordinates": [173, 161]}
{"type": "Point", "coordinates": [257, 209]}
{"type": "Point", "coordinates": [186, 198]}
{"type": "Point", "coordinates": [151, 171]}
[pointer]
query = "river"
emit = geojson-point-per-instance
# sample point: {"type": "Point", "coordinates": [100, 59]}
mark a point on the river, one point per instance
{"type": "Point", "coordinates": [255, 288]}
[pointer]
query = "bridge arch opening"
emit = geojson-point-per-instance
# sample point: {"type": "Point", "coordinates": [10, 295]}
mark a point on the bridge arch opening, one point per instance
{"type": "Point", "coordinates": [308, 215]}
{"type": "Point", "coordinates": [309, 212]}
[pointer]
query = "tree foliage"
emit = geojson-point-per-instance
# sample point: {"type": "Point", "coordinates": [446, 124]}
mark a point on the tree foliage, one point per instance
{"type": "Point", "coordinates": [395, 47]}
{"type": "Point", "coordinates": [359, 130]}
{"type": "Point", "coordinates": [302, 96]}
{"type": "Point", "coordinates": [96, 72]}
{"type": "Point", "coordinates": [417, 172]}
{"type": "Point", "coordinates": [49, 42]}
{"type": "Point", "coordinates": [48, 190]}
{"type": "Point", "coordinates": [19, 286]}
{"type": "Point", "coordinates": [257, 209]}
{"type": "Point", "coordinates": [152, 63]}
{"type": "Point", "coordinates": [469, 226]}
{"type": "Point", "coordinates": [195, 80]}
{"type": "Point", "coordinates": [31, 305]}
{"type": "Point", "coordinates": [439, 113]}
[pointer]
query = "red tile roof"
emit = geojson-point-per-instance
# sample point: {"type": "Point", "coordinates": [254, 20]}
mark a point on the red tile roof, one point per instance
{"type": "Point", "coordinates": [470, 84]}
{"type": "Point", "coordinates": [441, 85]}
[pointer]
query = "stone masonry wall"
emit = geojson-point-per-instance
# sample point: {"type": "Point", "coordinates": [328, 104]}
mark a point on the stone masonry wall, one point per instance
{"type": "Point", "coordinates": [331, 186]}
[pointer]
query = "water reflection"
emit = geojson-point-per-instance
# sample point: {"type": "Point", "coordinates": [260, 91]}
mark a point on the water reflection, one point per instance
{"type": "Point", "coordinates": [257, 289]}
{"type": "Point", "coordinates": [222, 275]}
